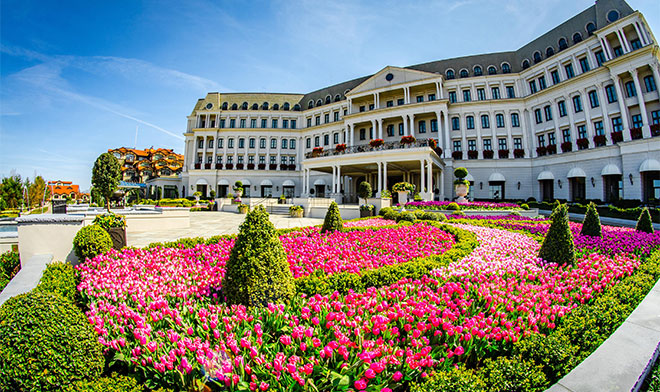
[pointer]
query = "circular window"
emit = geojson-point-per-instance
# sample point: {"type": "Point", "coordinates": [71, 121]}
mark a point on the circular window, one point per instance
{"type": "Point", "coordinates": [209, 105]}
{"type": "Point", "coordinates": [613, 16]}
{"type": "Point", "coordinates": [389, 77]}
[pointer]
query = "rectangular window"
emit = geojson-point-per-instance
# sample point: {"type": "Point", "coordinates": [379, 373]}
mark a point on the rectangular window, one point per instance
{"type": "Point", "coordinates": [541, 140]}
{"type": "Point", "coordinates": [292, 160]}
{"type": "Point", "coordinates": [569, 71]}
{"type": "Point", "coordinates": [274, 123]}
{"type": "Point", "coordinates": [542, 84]}
{"type": "Point", "coordinates": [630, 89]}
{"type": "Point", "coordinates": [210, 143]}
{"type": "Point", "coordinates": [469, 122]}
{"type": "Point", "coordinates": [400, 101]}
{"type": "Point", "coordinates": [499, 119]}
{"type": "Point", "coordinates": [577, 103]}
{"type": "Point", "coordinates": [273, 143]}
{"type": "Point", "coordinates": [326, 140]}
{"type": "Point", "coordinates": [593, 99]}
{"type": "Point", "coordinates": [242, 123]}
{"type": "Point", "coordinates": [485, 121]}
{"type": "Point", "coordinates": [251, 159]}
{"type": "Point", "coordinates": [220, 143]}
{"type": "Point", "coordinates": [420, 98]}
{"type": "Point", "coordinates": [232, 123]}
{"type": "Point", "coordinates": [617, 124]}
{"type": "Point", "coordinates": [548, 113]}
{"type": "Point", "coordinates": [285, 144]}
{"type": "Point", "coordinates": [293, 124]}
{"type": "Point", "coordinates": [487, 145]}
{"type": "Point", "coordinates": [362, 108]}
{"type": "Point", "coordinates": [222, 123]}
{"type": "Point", "coordinates": [317, 120]}
{"type": "Point", "coordinates": [317, 141]}
{"type": "Point", "coordinates": [371, 133]}
{"type": "Point", "coordinates": [618, 51]}
{"type": "Point", "coordinates": [253, 123]}
{"type": "Point", "coordinates": [252, 142]}
{"type": "Point", "coordinates": [240, 159]}
{"type": "Point", "coordinates": [401, 129]}
{"type": "Point", "coordinates": [472, 145]}
{"type": "Point", "coordinates": [584, 64]}
{"type": "Point", "coordinates": [555, 77]}
{"type": "Point", "coordinates": [517, 143]}
{"type": "Point", "coordinates": [566, 134]}
{"type": "Point", "coordinates": [262, 143]}
{"type": "Point", "coordinates": [455, 124]}
{"type": "Point", "coordinates": [389, 104]}
{"type": "Point", "coordinates": [308, 143]}
{"type": "Point", "coordinates": [611, 93]}
{"type": "Point", "coordinates": [262, 159]}
{"type": "Point", "coordinates": [292, 144]}
{"type": "Point", "coordinates": [515, 120]}
{"type": "Point", "coordinates": [336, 116]}
{"type": "Point", "coordinates": [600, 58]}
{"type": "Point", "coordinates": [390, 130]}
{"type": "Point", "coordinates": [532, 86]}
{"type": "Point", "coordinates": [371, 106]}
{"type": "Point", "coordinates": [326, 118]}
{"type": "Point", "coordinates": [218, 159]}
{"type": "Point", "coordinates": [422, 127]}
{"type": "Point", "coordinates": [510, 92]}
{"type": "Point", "coordinates": [637, 121]}
{"type": "Point", "coordinates": [283, 160]}
{"type": "Point", "coordinates": [501, 143]}
{"type": "Point", "coordinates": [598, 128]}
{"type": "Point", "coordinates": [481, 94]}
{"type": "Point", "coordinates": [431, 97]}
{"type": "Point", "coordinates": [335, 138]}
{"type": "Point", "coordinates": [230, 143]}
{"type": "Point", "coordinates": [285, 124]}
{"type": "Point", "coordinates": [272, 159]}
{"type": "Point", "coordinates": [309, 122]}
{"type": "Point", "coordinates": [636, 44]}
{"type": "Point", "coordinates": [649, 82]}
{"type": "Point", "coordinates": [655, 117]}
{"type": "Point", "coordinates": [452, 97]}
{"type": "Point", "coordinates": [264, 123]}
{"type": "Point", "coordinates": [230, 159]}
{"type": "Point", "coordinates": [582, 131]}
{"type": "Point", "coordinates": [434, 125]}
{"type": "Point", "coordinates": [551, 139]}
{"type": "Point", "coordinates": [495, 91]}
{"type": "Point", "coordinates": [457, 145]}
{"type": "Point", "coordinates": [466, 96]}
{"type": "Point", "coordinates": [538, 116]}
{"type": "Point", "coordinates": [363, 134]}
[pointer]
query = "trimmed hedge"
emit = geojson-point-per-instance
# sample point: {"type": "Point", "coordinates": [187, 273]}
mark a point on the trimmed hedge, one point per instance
{"type": "Point", "coordinates": [332, 221]}
{"type": "Point", "coordinates": [591, 224]}
{"type": "Point", "coordinates": [610, 211]}
{"type": "Point", "coordinates": [558, 246]}
{"type": "Point", "coordinates": [644, 222]}
{"type": "Point", "coordinates": [46, 343]}
{"type": "Point", "coordinates": [10, 264]}
{"type": "Point", "coordinates": [114, 383]}
{"type": "Point", "coordinates": [90, 241]}
{"type": "Point", "coordinates": [62, 279]}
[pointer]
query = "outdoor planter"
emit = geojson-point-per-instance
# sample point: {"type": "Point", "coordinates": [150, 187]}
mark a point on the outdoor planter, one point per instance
{"type": "Point", "coordinates": [655, 129]}
{"type": "Point", "coordinates": [457, 155]}
{"type": "Point", "coordinates": [376, 143]}
{"type": "Point", "coordinates": [403, 197]}
{"type": "Point", "coordinates": [582, 143]}
{"type": "Point", "coordinates": [407, 139]}
{"type": "Point", "coordinates": [284, 166]}
{"type": "Point", "coordinates": [461, 192]}
{"type": "Point", "coordinates": [600, 140]}
{"type": "Point", "coordinates": [292, 167]}
{"type": "Point", "coordinates": [566, 147]}
{"type": "Point", "coordinates": [366, 212]}
{"type": "Point", "coordinates": [635, 133]}
{"type": "Point", "coordinates": [518, 153]}
{"type": "Point", "coordinates": [207, 166]}
{"type": "Point", "coordinates": [198, 165]}
{"type": "Point", "coordinates": [296, 212]}
{"type": "Point", "coordinates": [239, 166]}
{"type": "Point", "coordinates": [118, 235]}
{"type": "Point", "coordinates": [262, 166]}
{"type": "Point", "coordinates": [617, 136]}
{"type": "Point", "coordinates": [488, 154]}
{"type": "Point", "coordinates": [243, 209]}
{"type": "Point", "coordinates": [272, 166]}
{"type": "Point", "coordinates": [317, 151]}
{"type": "Point", "coordinates": [340, 147]}
{"type": "Point", "coordinates": [541, 151]}
{"type": "Point", "coordinates": [473, 154]}
{"type": "Point", "coordinates": [250, 166]}
{"type": "Point", "coordinates": [218, 166]}
{"type": "Point", "coordinates": [503, 153]}
{"type": "Point", "coordinates": [229, 166]}
{"type": "Point", "coordinates": [552, 149]}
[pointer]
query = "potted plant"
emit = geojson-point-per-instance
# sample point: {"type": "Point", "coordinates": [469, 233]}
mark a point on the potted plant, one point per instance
{"type": "Point", "coordinates": [503, 153]}
{"type": "Point", "coordinates": [240, 166]}
{"type": "Point", "coordinates": [409, 139]}
{"type": "Point", "coordinates": [403, 189]}
{"type": "Point", "coordinates": [655, 129]}
{"type": "Point", "coordinates": [229, 166]}
{"type": "Point", "coordinates": [317, 151]}
{"type": "Point", "coordinates": [207, 166]}
{"type": "Point", "coordinates": [364, 191]}
{"type": "Point", "coordinates": [552, 149]}
{"type": "Point", "coordinates": [218, 166]}
{"type": "Point", "coordinates": [457, 155]}
{"type": "Point", "coordinates": [212, 194]}
{"type": "Point", "coordinates": [600, 140]}
{"type": "Point", "coordinates": [198, 165]}
{"type": "Point", "coordinates": [461, 185]}
{"type": "Point", "coordinates": [488, 154]}
{"type": "Point", "coordinates": [385, 194]}
{"type": "Point", "coordinates": [243, 208]}
{"type": "Point", "coordinates": [434, 146]}
{"type": "Point", "coordinates": [566, 147]}
{"type": "Point", "coordinates": [272, 166]}
{"type": "Point", "coordinates": [366, 210]}
{"type": "Point", "coordinates": [582, 143]}
{"type": "Point", "coordinates": [281, 199]}
{"type": "Point", "coordinates": [518, 153]}
{"type": "Point", "coordinates": [473, 154]}
{"type": "Point", "coordinates": [340, 147]}
{"type": "Point", "coordinates": [541, 150]}
{"type": "Point", "coordinates": [376, 143]}
{"type": "Point", "coordinates": [238, 189]}
{"type": "Point", "coordinates": [296, 211]}
{"type": "Point", "coordinates": [635, 133]}
{"type": "Point", "coordinates": [292, 166]}
{"type": "Point", "coordinates": [617, 136]}
{"type": "Point", "coordinates": [283, 166]}
{"type": "Point", "coordinates": [115, 225]}
{"type": "Point", "coordinates": [197, 195]}
{"type": "Point", "coordinates": [250, 166]}
{"type": "Point", "coordinates": [261, 166]}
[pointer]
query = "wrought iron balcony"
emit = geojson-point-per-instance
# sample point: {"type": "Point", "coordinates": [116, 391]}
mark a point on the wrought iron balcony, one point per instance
{"type": "Point", "coordinates": [395, 145]}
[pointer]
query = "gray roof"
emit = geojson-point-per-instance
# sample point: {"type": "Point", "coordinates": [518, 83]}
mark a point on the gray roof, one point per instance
{"type": "Point", "coordinates": [596, 14]}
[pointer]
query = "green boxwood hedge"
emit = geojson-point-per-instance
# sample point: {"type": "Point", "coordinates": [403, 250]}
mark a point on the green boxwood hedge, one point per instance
{"type": "Point", "coordinates": [62, 279]}
{"type": "Point", "coordinates": [90, 241]}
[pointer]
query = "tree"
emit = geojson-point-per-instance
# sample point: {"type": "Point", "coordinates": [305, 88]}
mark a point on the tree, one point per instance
{"type": "Point", "coordinates": [97, 197]}
{"type": "Point", "coordinates": [257, 272]}
{"type": "Point", "coordinates": [106, 175]}
{"type": "Point", "coordinates": [558, 246]}
{"type": "Point", "coordinates": [591, 224]}
{"type": "Point", "coordinates": [332, 221]}
{"type": "Point", "coordinates": [38, 192]}
{"type": "Point", "coordinates": [644, 222]}
{"type": "Point", "coordinates": [11, 191]}
{"type": "Point", "coordinates": [364, 191]}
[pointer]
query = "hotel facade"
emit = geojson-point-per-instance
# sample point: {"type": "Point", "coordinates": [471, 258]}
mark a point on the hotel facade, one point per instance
{"type": "Point", "coordinates": [574, 114]}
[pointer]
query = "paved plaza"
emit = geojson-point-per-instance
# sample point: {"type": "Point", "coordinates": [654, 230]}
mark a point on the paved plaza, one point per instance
{"type": "Point", "coordinates": [207, 224]}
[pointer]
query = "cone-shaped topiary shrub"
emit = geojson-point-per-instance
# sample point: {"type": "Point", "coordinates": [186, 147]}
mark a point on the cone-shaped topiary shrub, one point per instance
{"type": "Point", "coordinates": [257, 272]}
{"type": "Point", "coordinates": [591, 224]}
{"type": "Point", "coordinates": [90, 241]}
{"type": "Point", "coordinates": [644, 222]}
{"type": "Point", "coordinates": [332, 221]}
{"type": "Point", "coordinates": [46, 343]}
{"type": "Point", "coordinates": [558, 246]}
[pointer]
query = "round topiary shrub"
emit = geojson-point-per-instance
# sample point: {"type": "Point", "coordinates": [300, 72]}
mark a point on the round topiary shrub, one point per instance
{"type": "Point", "coordinates": [460, 172]}
{"type": "Point", "coordinates": [558, 246]}
{"type": "Point", "coordinates": [429, 216]}
{"type": "Point", "coordinates": [90, 241]}
{"type": "Point", "coordinates": [406, 216]}
{"type": "Point", "coordinates": [524, 206]}
{"type": "Point", "coordinates": [46, 343]}
{"type": "Point", "coordinates": [453, 206]}
{"type": "Point", "coordinates": [257, 272]}
{"type": "Point", "coordinates": [591, 223]}
{"type": "Point", "coordinates": [644, 222]}
{"type": "Point", "coordinates": [332, 221]}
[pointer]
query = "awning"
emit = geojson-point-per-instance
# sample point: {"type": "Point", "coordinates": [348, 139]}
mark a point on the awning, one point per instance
{"type": "Point", "coordinates": [266, 183]}
{"type": "Point", "coordinates": [288, 183]}
{"type": "Point", "coordinates": [201, 181]}
{"type": "Point", "coordinates": [469, 178]}
{"type": "Point", "coordinates": [496, 177]}
{"type": "Point", "coordinates": [319, 181]}
{"type": "Point", "coordinates": [611, 170]}
{"type": "Point", "coordinates": [246, 182]}
{"type": "Point", "coordinates": [223, 182]}
{"type": "Point", "coordinates": [649, 165]}
{"type": "Point", "coordinates": [576, 172]}
{"type": "Point", "coordinates": [545, 175]}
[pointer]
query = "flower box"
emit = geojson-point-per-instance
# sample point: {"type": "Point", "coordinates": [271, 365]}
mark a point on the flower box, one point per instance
{"type": "Point", "coordinates": [250, 166]}
{"type": "Point", "coordinates": [292, 166]}
{"type": "Point", "coordinates": [655, 129]}
{"type": "Point", "coordinates": [617, 136]}
{"type": "Point", "coordinates": [552, 149]}
{"type": "Point", "coordinates": [635, 133]}
{"type": "Point", "coordinates": [582, 143]}
{"type": "Point", "coordinates": [457, 154]}
{"type": "Point", "coordinates": [283, 166]}
{"type": "Point", "coordinates": [488, 154]}
{"type": "Point", "coordinates": [229, 166]}
{"type": "Point", "coordinates": [198, 165]}
{"type": "Point", "coordinates": [566, 147]}
{"type": "Point", "coordinates": [272, 166]}
{"type": "Point", "coordinates": [473, 154]}
{"type": "Point", "coordinates": [317, 151]}
{"type": "Point", "coordinates": [340, 147]}
{"type": "Point", "coordinates": [541, 151]}
{"type": "Point", "coordinates": [207, 166]}
{"type": "Point", "coordinates": [240, 166]}
{"type": "Point", "coordinates": [600, 140]}
{"type": "Point", "coordinates": [503, 154]}
{"type": "Point", "coordinates": [218, 166]}
{"type": "Point", "coordinates": [408, 139]}
{"type": "Point", "coordinates": [376, 143]}
{"type": "Point", "coordinates": [261, 166]}
{"type": "Point", "coordinates": [518, 153]}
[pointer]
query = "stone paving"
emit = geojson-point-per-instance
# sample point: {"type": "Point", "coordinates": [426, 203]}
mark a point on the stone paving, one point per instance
{"type": "Point", "coordinates": [207, 224]}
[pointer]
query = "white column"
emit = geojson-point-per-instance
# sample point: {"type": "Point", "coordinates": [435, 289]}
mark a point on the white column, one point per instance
{"type": "Point", "coordinates": [384, 175]}
{"type": "Point", "coordinates": [405, 124]}
{"type": "Point", "coordinates": [350, 134]}
{"type": "Point", "coordinates": [509, 136]}
{"type": "Point", "coordinates": [623, 107]}
{"type": "Point", "coordinates": [412, 125]}
{"type": "Point", "coordinates": [429, 176]}
{"type": "Point", "coordinates": [640, 33]}
{"type": "Point", "coordinates": [422, 180]}
{"type": "Point", "coordinates": [528, 131]}
{"type": "Point", "coordinates": [338, 178]}
{"type": "Point", "coordinates": [380, 128]}
{"type": "Point", "coordinates": [587, 116]}
{"type": "Point", "coordinates": [624, 41]}
{"type": "Point", "coordinates": [655, 68]}
{"type": "Point", "coordinates": [406, 95]}
{"type": "Point", "coordinates": [437, 90]}
{"type": "Point", "coordinates": [571, 124]}
{"type": "Point", "coordinates": [646, 130]}
{"type": "Point", "coordinates": [447, 135]}
{"type": "Point", "coordinates": [380, 177]}
{"type": "Point", "coordinates": [493, 142]}
{"type": "Point", "coordinates": [442, 184]}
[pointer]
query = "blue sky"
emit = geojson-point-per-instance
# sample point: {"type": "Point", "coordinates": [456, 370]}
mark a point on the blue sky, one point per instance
{"type": "Point", "coordinates": [77, 77]}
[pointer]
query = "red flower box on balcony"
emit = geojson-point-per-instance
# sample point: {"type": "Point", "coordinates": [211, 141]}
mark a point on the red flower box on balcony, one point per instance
{"type": "Point", "coordinates": [229, 166]}
{"type": "Point", "coordinates": [582, 143]}
{"type": "Point", "coordinates": [340, 147]}
{"type": "Point", "coordinates": [240, 166]}
{"type": "Point", "coordinates": [488, 154]}
{"type": "Point", "coordinates": [207, 166]}
{"type": "Point", "coordinates": [283, 166]}
{"type": "Point", "coordinates": [635, 133]}
{"type": "Point", "coordinates": [457, 154]}
{"type": "Point", "coordinates": [218, 166]}
{"type": "Point", "coordinates": [566, 147]}
{"type": "Point", "coordinates": [503, 153]}
{"type": "Point", "coordinates": [541, 151]}
{"type": "Point", "coordinates": [617, 136]}
{"type": "Point", "coordinates": [655, 129]}
{"type": "Point", "coordinates": [600, 140]}
{"type": "Point", "coordinates": [552, 149]}
{"type": "Point", "coordinates": [198, 165]}
{"type": "Point", "coordinates": [262, 166]}
{"type": "Point", "coordinates": [317, 151]}
{"type": "Point", "coordinates": [250, 166]}
{"type": "Point", "coordinates": [376, 143]}
{"type": "Point", "coordinates": [272, 166]}
{"type": "Point", "coordinates": [518, 153]}
{"type": "Point", "coordinates": [473, 154]}
{"type": "Point", "coordinates": [408, 139]}
{"type": "Point", "coordinates": [292, 166]}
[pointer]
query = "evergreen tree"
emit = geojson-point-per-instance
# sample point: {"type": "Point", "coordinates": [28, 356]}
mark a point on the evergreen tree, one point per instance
{"type": "Point", "coordinates": [257, 272]}
{"type": "Point", "coordinates": [106, 175]}
{"type": "Point", "coordinates": [332, 221]}
{"type": "Point", "coordinates": [644, 222]}
{"type": "Point", "coordinates": [558, 246]}
{"type": "Point", "coordinates": [591, 224]}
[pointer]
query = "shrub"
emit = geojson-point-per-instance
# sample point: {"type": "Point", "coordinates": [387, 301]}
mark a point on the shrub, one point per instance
{"type": "Point", "coordinates": [114, 383]}
{"type": "Point", "coordinates": [591, 224]}
{"type": "Point", "coordinates": [504, 374]}
{"type": "Point", "coordinates": [90, 241]}
{"type": "Point", "coordinates": [457, 379]}
{"type": "Point", "coordinates": [524, 206]}
{"type": "Point", "coordinates": [453, 207]}
{"type": "Point", "coordinates": [108, 221]}
{"type": "Point", "coordinates": [257, 272]}
{"type": "Point", "coordinates": [46, 343]}
{"type": "Point", "coordinates": [332, 221]}
{"type": "Point", "coordinates": [364, 191]}
{"type": "Point", "coordinates": [62, 279]}
{"type": "Point", "coordinates": [558, 246]}
{"type": "Point", "coordinates": [644, 222]}
{"type": "Point", "coordinates": [406, 216]}
{"type": "Point", "coordinates": [460, 172]}
{"type": "Point", "coordinates": [9, 262]}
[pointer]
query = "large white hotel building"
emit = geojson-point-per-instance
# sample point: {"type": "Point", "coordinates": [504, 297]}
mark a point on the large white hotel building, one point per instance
{"type": "Point", "coordinates": [574, 114]}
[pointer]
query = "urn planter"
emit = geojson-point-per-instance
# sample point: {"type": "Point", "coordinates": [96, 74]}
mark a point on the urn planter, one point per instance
{"type": "Point", "coordinates": [118, 235]}
{"type": "Point", "coordinates": [461, 192]}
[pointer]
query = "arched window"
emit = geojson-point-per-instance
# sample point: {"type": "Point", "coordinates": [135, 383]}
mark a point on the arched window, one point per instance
{"type": "Point", "coordinates": [264, 106]}
{"type": "Point", "coordinates": [591, 27]}
{"type": "Point", "coordinates": [337, 98]}
{"type": "Point", "coordinates": [577, 37]}
{"type": "Point", "coordinates": [296, 107]}
{"type": "Point", "coordinates": [450, 74]}
{"type": "Point", "coordinates": [276, 107]}
{"type": "Point", "coordinates": [525, 64]}
{"type": "Point", "coordinates": [310, 105]}
{"type": "Point", "coordinates": [492, 70]}
{"type": "Point", "coordinates": [234, 106]}
{"type": "Point", "coordinates": [319, 102]}
{"type": "Point", "coordinates": [285, 106]}
{"type": "Point", "coordinates": [563, 44]}
{"type": "Point", "coordinates": [328, 99]}
{"type": "Point", "coordinates": [224, 106]}
{"type": "Point", "coordinates": [478, 71]}
{"type": "Point", "coordinates": [537, 57]}
{"type": "Point", "coordinates": [506, 68]}
{"type": "Point", "coordinates": [244, 106]}
{"type": "Point", "coordinates": [549, 52]}
{"type": "Point", "coordinates": [464, 73]}
{"type": "Point", "coordinates": [255, 106]}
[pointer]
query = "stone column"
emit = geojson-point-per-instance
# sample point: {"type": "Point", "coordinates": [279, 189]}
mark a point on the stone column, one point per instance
{"type": "Point", "coordinates": [380, 128]}
{"type": "Point", "coordinates": [442, 184]}
{"type": "Point", "coordinates": [338, 178]}
{"type": "Point", "coordinates": [405, 124]}
{"type": "Point", "coordinates": [380, 177]}
{"type": "Point", "coordinates": [422, 179]}
{"type": "Point", "coordinates": [429, 177]}
{"type": "Point", "coordinates": [607, 123]}
{"type": "Point", "coordinates": [587, 116]}
{"type": "Point", "coordinates": [412, 125]}
{"type": "Point", "coordinates": [384, 175]}
{"type": "Point", "coordinates": [623, 107]}
{"type": "Point", "coordinates": [646, 130]}
{"type": "Point", "coordinates": [447, 135]}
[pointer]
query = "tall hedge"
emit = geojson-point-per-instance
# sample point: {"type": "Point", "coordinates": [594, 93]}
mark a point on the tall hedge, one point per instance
{"type": "Point", "coordinates": [558, 246]}
{"type": "Point", "coordinates": [591, 224]}
{"type": "Point", "coordinates": [332, 221]}
{"type": "Point", "coordinates": [46, 343]}
{"type": "Point", "coordinates": [257, 272]}
{"type": "Point", "coordinates": [644, 222]}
